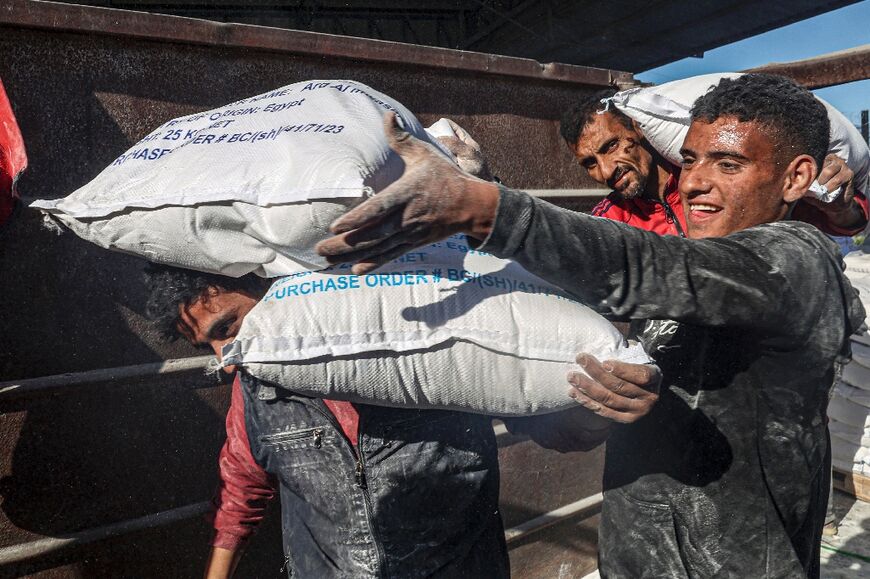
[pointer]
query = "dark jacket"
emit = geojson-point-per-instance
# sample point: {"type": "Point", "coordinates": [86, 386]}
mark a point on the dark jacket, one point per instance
{"type": "Point", "coordinates": [418, 499]}
{"type": "Point", "coordinates": [728, 474]}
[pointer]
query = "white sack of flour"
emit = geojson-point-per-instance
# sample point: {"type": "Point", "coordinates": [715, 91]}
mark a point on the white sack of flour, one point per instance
{"type": "Point", "coordinates": [248, 187]}
{"type": "Point", "coordinates": [851, 434]}
{"type": "Point", "coordinates": [663, 113]}
{"type": "Point", "coordinates": [444, 326]}
{"type": "Point", "coordinates": [858, 376]}
{"type": "Point", "coordinates": [847, 411]}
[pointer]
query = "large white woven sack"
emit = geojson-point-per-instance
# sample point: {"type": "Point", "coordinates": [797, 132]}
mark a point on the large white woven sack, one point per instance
{"type": "Point", "coordinates": [858, 376]}
{"type": "Point", "coordinates": [858, 272]}
{"type": "Point", "coordinates": [850, 447]}
{"type": "Point", "coordinates": [842, 408]}
{"type": "Point", "coordinates": [442, 327]}
{"type": "Point", "coordinates": [663, 113]}
{"type": "Point", "coordinates": [849, 433]}
{"type": "Point", "coordinates": [247, 187]}
{"type": "Point", "coordinates": [849, 454]}
{"type": "Point", "coordinates": [861, 356]}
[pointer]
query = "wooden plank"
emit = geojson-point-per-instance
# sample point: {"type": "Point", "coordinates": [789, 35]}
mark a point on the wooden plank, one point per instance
{"type": "Point", "coordinates": [855, 484]}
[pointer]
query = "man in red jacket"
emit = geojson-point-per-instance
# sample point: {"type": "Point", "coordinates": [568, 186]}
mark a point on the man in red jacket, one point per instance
{"type": "Point", "coordinates": [611, 148]}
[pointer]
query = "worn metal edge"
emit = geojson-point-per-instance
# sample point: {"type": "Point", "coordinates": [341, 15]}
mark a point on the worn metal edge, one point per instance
{"type": "Point", "coordinates": [584, 508]}
{"type": "Point", "coordinates": [44, 15]}
{"type": "Point", "coordinates": [35, 549]}
{"type": "Point", "coordinates": [568, 193]}
{"type": "Point", "coordinates": [14, 389]}
{"type": "Point", "coordinates": [831, 69]}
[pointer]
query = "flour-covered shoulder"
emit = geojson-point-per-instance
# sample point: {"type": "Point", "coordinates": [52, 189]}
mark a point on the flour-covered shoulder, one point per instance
{"type": "Point", "coordinates": [813, 267]}
{"type": "Point", "coordinates": [792, 245]}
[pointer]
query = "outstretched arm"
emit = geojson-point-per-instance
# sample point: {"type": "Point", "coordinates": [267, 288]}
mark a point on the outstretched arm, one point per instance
{"type": "Point", "coordinates": [740, 281]}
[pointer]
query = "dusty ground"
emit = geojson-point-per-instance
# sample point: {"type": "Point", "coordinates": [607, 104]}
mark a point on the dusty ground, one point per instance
{"type": "Point", "coordinates": [848, 553]}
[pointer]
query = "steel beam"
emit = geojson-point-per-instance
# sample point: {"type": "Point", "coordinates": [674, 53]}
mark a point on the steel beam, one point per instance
{"type": "Point", "coordinates": [50, 545]}
{"type": "Point", "coordinates": [826, 70]}
{"type": "Point", "coordinates": [581, 509]}
{"type": "Point", "coordinates": [31, 550]}
{"type": "Point", "coordinates": [63, 383]}
{"type": "Point", "coordinates": [123, 23]}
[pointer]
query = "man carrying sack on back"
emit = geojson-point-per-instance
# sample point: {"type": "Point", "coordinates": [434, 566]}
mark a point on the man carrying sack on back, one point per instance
{"type": "Point", "coordinates": [728, 475]}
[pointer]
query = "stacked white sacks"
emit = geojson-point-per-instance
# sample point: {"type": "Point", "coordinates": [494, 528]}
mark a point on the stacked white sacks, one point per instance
{"type": "Point", "coordinates": [849, 409]}
{"type": "Point", "coordinates": [253, 186]}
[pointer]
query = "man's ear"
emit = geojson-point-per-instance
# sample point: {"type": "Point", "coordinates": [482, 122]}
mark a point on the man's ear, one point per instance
{"type": "Point", "coordinates": [799, 175]}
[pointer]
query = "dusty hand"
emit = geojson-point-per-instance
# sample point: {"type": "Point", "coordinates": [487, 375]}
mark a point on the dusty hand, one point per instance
{"type": "Point", "coordinates": [432, 200]}
{"type": "Point", "coordinates": [470, 160]}
{"type": "Point", "coordinates": [616, 390]}
{"type": "Point", "coordinates": [835, 173]}
{"type": "Point", "coordinates": [843, 211]}
{"type": "Point", "coordinates": [467, 152]}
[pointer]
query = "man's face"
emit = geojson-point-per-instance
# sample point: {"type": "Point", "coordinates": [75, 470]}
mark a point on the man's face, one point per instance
{"type": "Point", "coordinates": [732, 178]}
{"type": "Point", "coordinates": [214, 320]}
{"type": "Point", "coordinates": [613, 155]}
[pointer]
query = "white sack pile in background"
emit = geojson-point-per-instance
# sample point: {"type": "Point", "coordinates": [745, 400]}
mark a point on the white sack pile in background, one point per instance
{"type": "Point", "coordinates": [444, 326]}
{"type": "Point", "coordinates": [849, 409]}
{"type": "Point", "coordinates": [663, 113]}
{"type": "Point", "coordinates": [248, 187]}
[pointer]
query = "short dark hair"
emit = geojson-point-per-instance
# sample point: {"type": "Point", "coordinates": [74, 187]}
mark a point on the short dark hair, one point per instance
{"type": "Point", "coordinates": [576, 119]}
{"type": "Point", "coordinates": [170, 288]}
{"type": "Point", "coordinates": [795, 117]}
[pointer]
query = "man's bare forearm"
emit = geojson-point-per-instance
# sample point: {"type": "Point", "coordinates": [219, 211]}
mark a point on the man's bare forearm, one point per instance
{"type": "Point", "coordinates": [222, 563]}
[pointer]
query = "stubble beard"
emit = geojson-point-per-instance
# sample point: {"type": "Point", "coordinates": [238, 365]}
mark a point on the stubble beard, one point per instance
{"type": "Point", "coordinates": [634, 189]}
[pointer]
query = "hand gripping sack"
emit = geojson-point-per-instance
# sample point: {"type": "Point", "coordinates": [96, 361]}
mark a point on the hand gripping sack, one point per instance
{"type": "Point", "coordinates": [248, 187]}
{"type": "Point", "coordinates": [663, 113]}
{"type": "Point", "coordinates": [443, 327]}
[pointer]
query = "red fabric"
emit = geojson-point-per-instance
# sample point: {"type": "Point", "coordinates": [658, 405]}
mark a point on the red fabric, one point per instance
{"type": "Point", "coordinates": [347, 416]}
{"type": "Point", "coordinates": [643, 213]}
{"type": "Point", "coordinates": [651, 215]}
{"type": "Point", "coordinates": [13, 158]}
{"type": "Point", "coordinates": [245, 488]}
{"type": "Point", "coordinates": [814, 216]}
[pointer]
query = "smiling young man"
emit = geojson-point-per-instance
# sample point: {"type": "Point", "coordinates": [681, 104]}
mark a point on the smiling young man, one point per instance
{"type": "Point", "coordinates": [613, 151]}
{"type": "Point", "coordinates": [728, 474]}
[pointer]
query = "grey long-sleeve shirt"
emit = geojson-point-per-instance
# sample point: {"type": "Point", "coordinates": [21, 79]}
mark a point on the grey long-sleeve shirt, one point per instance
{"type": "Point", "coordinates": [725, 475]}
